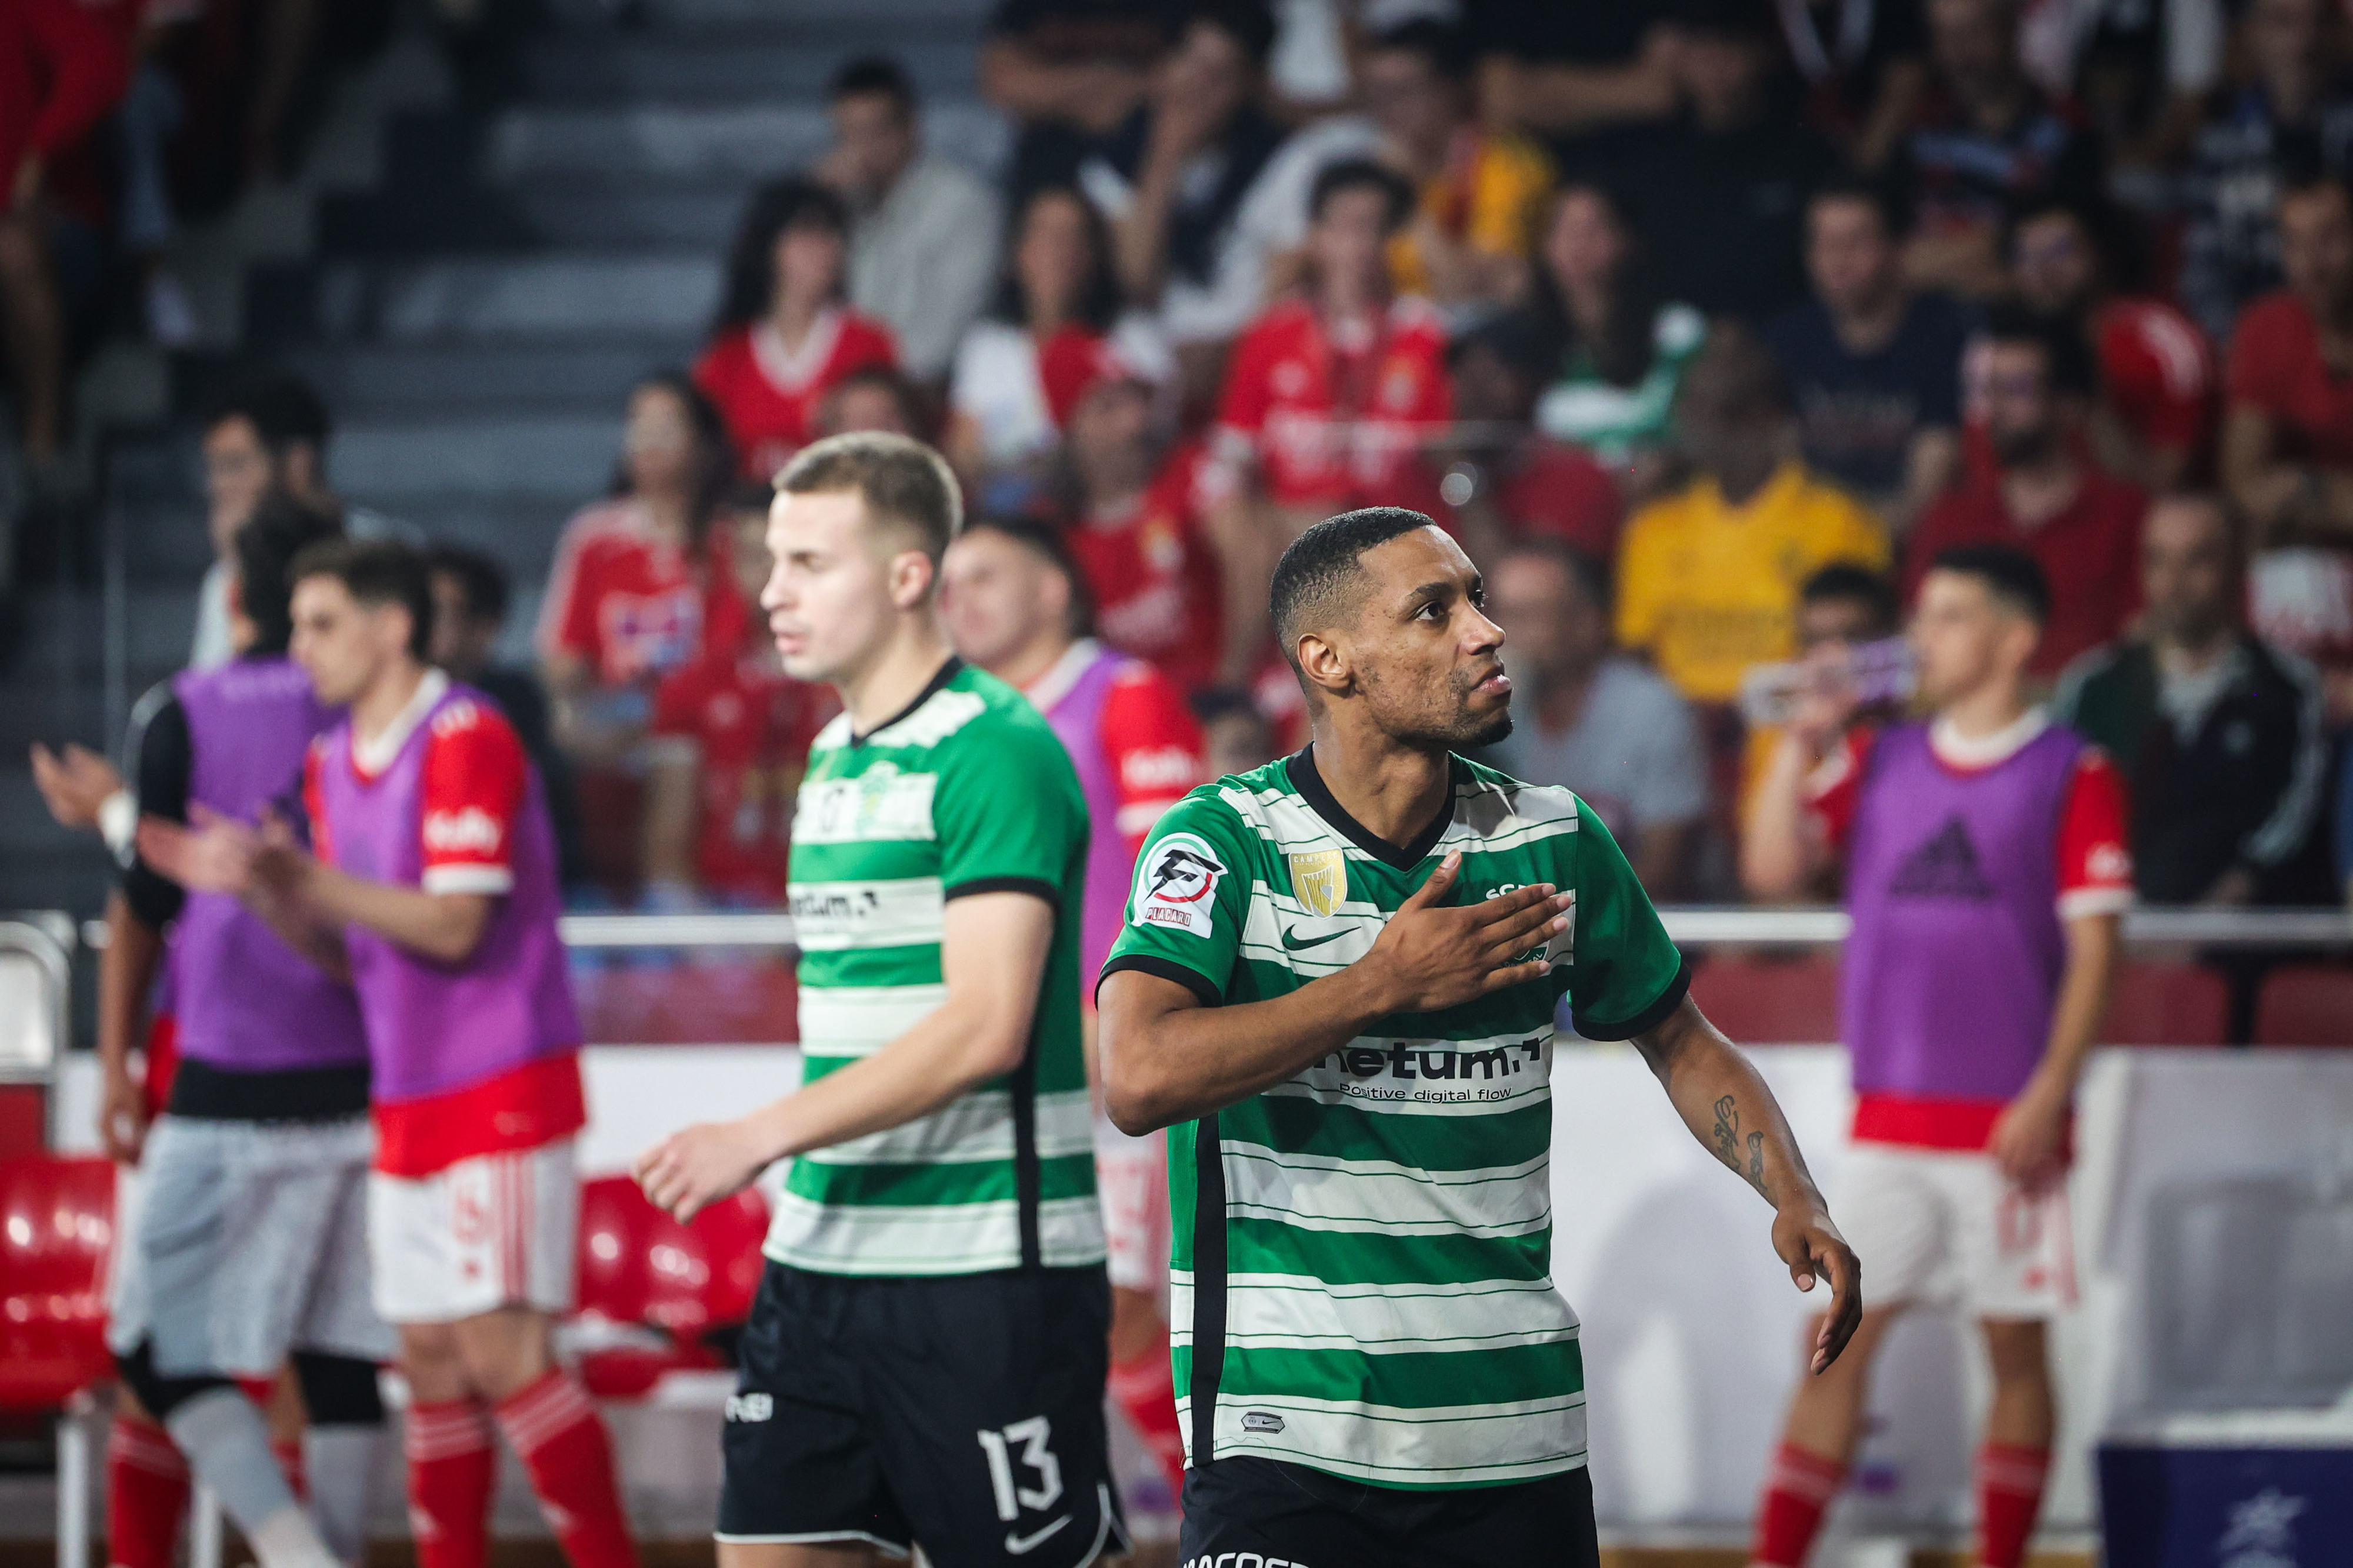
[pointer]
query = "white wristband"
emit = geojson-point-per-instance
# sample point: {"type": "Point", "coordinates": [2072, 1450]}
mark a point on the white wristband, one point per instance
{"type": "Point", "coordinates": [118, 823]}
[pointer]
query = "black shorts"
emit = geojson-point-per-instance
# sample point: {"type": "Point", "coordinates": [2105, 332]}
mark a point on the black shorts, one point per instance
{"type": "Point", "coordinates": [1249, 1512]}
{"type": "Point", "coordinates": [965, 1413]}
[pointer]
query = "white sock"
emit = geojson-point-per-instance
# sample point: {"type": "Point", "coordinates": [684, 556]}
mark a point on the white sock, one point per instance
{"type": "Point", "coordinates": [340, 1462]}
{"type": "Point", "coordinates": [287, 1539]}
{"type": "Point", "coordinates": [226, 1441]}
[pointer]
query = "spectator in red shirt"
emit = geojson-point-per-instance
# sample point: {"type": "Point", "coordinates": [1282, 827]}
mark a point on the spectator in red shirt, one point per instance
{"type": "Point", "coordinates": [625, 605]}
{"type": "Point", "coordinates": [2155, 413]}
{"type": "Point", "coordinates": [1134, 528]}
{"type": "Point", "coordinates": [2287, 440]}
{"type": "Point", "coordinates": [1508, 482]}
{"type": "Point", "coordinates": [731, 737]}
{"type": "Point", "coordinates": [784, 336]}
{"type": "Point", "coordinates": [1331, 394]}
{"type": "Point", "coordinates": [64, 65]}
{"type": "Point", "coordinates": [2043, 495]}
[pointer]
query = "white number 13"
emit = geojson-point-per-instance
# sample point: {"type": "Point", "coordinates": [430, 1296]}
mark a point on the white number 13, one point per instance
{"type": "Point", "coordinates": [1033, 1435]}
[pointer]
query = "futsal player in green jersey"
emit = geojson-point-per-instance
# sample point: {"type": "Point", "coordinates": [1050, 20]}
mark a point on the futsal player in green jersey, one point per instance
{"type": "Point", "coordinates": [925, 1359]}
{"type": "Point", "coordinates": [1336, 987]}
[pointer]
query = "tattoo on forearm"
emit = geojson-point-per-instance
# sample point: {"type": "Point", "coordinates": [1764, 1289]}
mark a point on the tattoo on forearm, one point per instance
{"type": "Point", "coordinates": [1728, 1143]}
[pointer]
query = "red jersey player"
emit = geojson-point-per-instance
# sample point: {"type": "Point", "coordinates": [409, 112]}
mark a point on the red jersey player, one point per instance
{"type": "Point", "coordinates": [1986, 870]}
{"type": "Point", "coordinates": [731, 737]}
{"type": "Point", "coordinates": [785, 337]}
{"type": "Point", "coordinates": [432, 886]}
{"type": "Point", "coordinates": [1330, 396]}
{"type": "Point", "coordinates": [1011, 598]}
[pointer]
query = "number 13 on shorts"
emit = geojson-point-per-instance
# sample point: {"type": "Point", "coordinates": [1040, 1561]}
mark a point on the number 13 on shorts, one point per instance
{"type": "Point", "coordinates": [1033, 1439]}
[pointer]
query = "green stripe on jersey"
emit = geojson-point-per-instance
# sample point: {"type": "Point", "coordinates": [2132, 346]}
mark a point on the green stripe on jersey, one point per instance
{"type": "Point", "coordinates": [968, 791]}
{"type": "Point", "coordinates": [1377, 1271]}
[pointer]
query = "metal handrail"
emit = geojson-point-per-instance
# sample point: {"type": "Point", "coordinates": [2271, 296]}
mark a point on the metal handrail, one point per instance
{"type": "Point", "coordinates": [38, 937]}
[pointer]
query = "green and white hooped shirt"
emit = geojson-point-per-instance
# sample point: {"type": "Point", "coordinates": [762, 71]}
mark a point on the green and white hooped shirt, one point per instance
{"type": "Point", "coordinates": [965, 792]}
{"type": "Point", "coordinates": [1362, 1277]}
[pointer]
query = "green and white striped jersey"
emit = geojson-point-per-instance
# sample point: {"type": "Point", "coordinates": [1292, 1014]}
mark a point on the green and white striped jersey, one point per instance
{"type": "Point", "coordinates": [967, 791]}
{"type": "Point", "coordinates": [1362, 1277]}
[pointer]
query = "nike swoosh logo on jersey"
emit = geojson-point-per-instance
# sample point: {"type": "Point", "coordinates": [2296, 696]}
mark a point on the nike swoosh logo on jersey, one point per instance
{"type": "Point", "coordinates": [1020, 1545]}
{"type": "Point", "coordinates": [1290, 940]}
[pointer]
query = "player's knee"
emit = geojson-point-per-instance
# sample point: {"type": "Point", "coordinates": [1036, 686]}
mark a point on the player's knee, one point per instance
{"type": "Point", "coordinates": [338, 1390]}
{"type": "Point", "coordinates": [158, 1394]}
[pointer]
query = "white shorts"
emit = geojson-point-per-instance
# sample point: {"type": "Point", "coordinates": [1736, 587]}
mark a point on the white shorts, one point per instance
{"type": "Point", "coordinates": [243, 1240]}
{"type": "Point", "coordinates": [1945, 1225]}
{"type": "Point", "coordinates": [497, 1230]}
{"type": "Point", "coordinates": [1132, 1174]}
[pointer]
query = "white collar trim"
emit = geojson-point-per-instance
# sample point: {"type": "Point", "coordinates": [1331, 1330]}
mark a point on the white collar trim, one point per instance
{"type": "Point", "coordinates": [370, 754]}
{"type": "Point", "coordinates": [794, 369]}
{"type": "Point", "coordinates": [1960, 751]}
{"type": "Point", "coordinates": [1063, 674]}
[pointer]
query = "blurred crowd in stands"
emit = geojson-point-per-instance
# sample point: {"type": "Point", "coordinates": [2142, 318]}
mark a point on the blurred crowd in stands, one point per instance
{"type": "Point", "coordinates": [1704, 324]}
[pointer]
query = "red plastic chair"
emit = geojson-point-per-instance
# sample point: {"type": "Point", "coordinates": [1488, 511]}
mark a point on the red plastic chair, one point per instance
{"type": "Point", "coordinates": [57, 1235]}
{"type": "Point", "coordinates": [651, 1290]}
{"type": "Point", "coordinates": [2305, 1005]}
{"type": "Point", "coordinates": [2167, 1005]}
{"type": "Point", "coordinates": [1770, 1001]}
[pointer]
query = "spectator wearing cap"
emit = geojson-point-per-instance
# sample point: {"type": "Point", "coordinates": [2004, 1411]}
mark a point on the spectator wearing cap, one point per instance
{"type": "Point", "coordinates": [2219, 735]}
{"type": "Point", "coordinates": [1875, 364]}
{"type": "Point", "coordinates": [471, 597]}
{"type": "Point", "coordinates": [923, 228]}
{"type": "Point", "coordinates": [265, 432]}
{"type": "Point", "coordinates": [64, 65]}
{"type": "Point", "coordinates": [1132, 515]}
{"type": "Point", "coordinates": [1595, 721]}
{"type": "Point", "coordinates": [1723, 189]}
{"type": "Point", "coordinates": [2041, 492]}
{"type": "Point", "coordinates": [1618, 350]}
{"type": "Point", "coordinates": [2288, 115]}
{"type": "Point", "coordinates": [1708, 578]}
{"type": "Point", "coordinates": [1987, 141]}
{"type": "Point", "coordinates": [1505, 481]}
{"type": "Point", "coordinates": [1202, 188]}
{"type": "Point", "coordinates": [784, 336]}
{"type": "Point", "coordinates": [2287, 438]}
{"type": "Point", "coordinates": [1331, 396]}
{"type": "Point", "coordinates": [1479, 193]}
{"type": "Point", "coordinates": [2154, 420]}
{"type": "Point", "coordinates": [1864, 65]}
{"type": "Point", "coordinates": [1019, 367]}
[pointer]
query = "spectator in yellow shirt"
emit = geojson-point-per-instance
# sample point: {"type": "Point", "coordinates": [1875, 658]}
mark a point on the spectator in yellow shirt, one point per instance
{"type": "Point", "coordinates": [1479, 195]}
{"type": "Point", "coordinates": [1708, 578]}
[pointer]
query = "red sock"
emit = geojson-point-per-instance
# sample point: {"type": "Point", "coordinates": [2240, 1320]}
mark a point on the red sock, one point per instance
{"type": "Point", "coordinates": [453, 1470]}
{"type": "Point", "coordinates": [146, 1494]}
{"type": "Point", "coordinates": [2010, 1496]}
{"type": "Point", "coordinates": [1146, 1391]}
{"type": "Point", "coordinates": [1797, 1493]}
{"type": "Point", "coordinates": [554, 1429]}
{"type": "Point", "coordinates": [290, 1460]}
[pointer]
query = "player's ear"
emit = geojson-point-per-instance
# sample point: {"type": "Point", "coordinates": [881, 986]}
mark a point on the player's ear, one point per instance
{"type": "Point", "coordinates": [1324, 663]}
{"type": "Point", "coordinates": [914, 578]}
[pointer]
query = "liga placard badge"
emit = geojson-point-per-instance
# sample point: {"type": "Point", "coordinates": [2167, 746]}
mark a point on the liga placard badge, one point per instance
{"type": "Point", "coordinates": [1319, 881]}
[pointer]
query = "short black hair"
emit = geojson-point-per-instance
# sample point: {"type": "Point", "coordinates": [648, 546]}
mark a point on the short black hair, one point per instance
{"type": "Point", "coordinates": [377, 572]}
{"type": "Point", "coordinates": [283, 408]}
{"type": "Point", "coordinates": [1587, 573]}
{"type": "Point", "coordinates": [1249, 23]}
{"type": "Point", "coordinates": [1882, 197]}
{"type": "Point", "coordinates": [1522, 339]}
{"type": "Point", "coordinates": [2011, 576]}
{"type": "Point", "coordinates": [1311, 579]}
{"type": "Point", "coordinates": [878, 75]}
{"type": "Point", "coordinates": [481, 580]}
{"type": "Point", "coordinates": [1847, 582]}
{"type": "Point", "coordinates": [1051, 545]}
{"type": "Point", "coordinates": [280, 530]}
{"type": "Point", "coordinates": [1362, 173]}
{"type": "Point", "coordinates": [1446, 47]}
{"type": "Point", "coordinates": [2067, 363]}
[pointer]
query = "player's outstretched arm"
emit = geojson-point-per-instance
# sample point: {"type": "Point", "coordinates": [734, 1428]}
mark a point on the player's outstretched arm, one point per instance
{"type": "Point", "coordinates": [1724, 1102]}
{"type": "Point", "coordinates": [993, 953]}
{"type": "Point", "coordinates": [1167, 1058]}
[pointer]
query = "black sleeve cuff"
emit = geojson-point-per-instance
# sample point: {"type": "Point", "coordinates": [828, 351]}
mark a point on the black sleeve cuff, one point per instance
{"type": "Point", "coordinates": [1192, 980]}
{"type": "Point", "coordinates": [1035, 887]}
{"type": "Point", "coordinates": [152, 898]}
{"type": "Point", "coordinates": [1649, 1018]}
